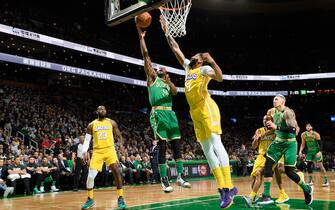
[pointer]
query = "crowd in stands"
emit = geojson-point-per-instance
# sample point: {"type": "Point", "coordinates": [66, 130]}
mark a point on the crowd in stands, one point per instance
{"type": "Point", "coordinates": [40, 131]}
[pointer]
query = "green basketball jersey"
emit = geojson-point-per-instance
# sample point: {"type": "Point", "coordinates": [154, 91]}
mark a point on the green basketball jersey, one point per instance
{"type": "Point", "coordinates": [279, 121]}
{"type": "Point", "coordinates": [160, 94]}
{"type": "Point", "coordinates": [311, 142]}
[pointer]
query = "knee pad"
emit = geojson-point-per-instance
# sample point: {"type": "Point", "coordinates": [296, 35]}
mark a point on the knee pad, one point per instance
{"type": "Point", "coordinates": [92, 173]}
{"type": "Point", "coordinates": [176, 149]}
{"type": "Point", "coordinates": [268, 171]}
{"type": "Point", "coordinates": [309, 167]}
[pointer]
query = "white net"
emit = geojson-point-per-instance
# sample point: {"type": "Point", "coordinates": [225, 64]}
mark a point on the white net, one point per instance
{"type": "Point", "coordinates": [175, 14]}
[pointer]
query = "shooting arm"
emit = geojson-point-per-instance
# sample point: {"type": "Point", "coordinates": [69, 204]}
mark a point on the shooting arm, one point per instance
{"type": "Point", "coordinates": [149, 71]}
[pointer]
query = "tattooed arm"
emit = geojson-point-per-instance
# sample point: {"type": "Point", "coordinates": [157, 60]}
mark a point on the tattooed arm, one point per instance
{"type": "Point", "coordinates": [289, 117]}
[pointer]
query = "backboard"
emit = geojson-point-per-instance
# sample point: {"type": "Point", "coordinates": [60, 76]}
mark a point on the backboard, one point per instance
{"type": "Point", "coordinates": [119, 11]}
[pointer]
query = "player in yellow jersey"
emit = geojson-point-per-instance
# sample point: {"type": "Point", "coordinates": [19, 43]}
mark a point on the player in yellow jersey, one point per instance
{"type": "Point", "coordinates": [205, 115]}
{"type": "Point", "coordinates": [262, 139]}
{"type": "Point", "coordinates": [103, 131]}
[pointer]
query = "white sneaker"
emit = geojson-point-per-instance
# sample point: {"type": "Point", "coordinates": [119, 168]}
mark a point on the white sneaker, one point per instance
{"type": "Point", "coordinates": [325, 184]}
{"type": "Point", "coordinates": [9, 190]}
{"type": "Point", "coordinates": [42, 189]}
{"type": "Point", "coordinates": [54, 189]}
{"type": "Point", "coordinates": [167, 188]}
{"type": "Point", "coordinates": [181, 182]}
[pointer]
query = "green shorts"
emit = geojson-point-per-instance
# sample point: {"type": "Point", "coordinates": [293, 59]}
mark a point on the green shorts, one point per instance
{"type": "Point", "coordinates": [287, 148]}
{"type": "Point", "coordinates": [164, 124]}
{"type": "Point", "coordinates": [311, 156]}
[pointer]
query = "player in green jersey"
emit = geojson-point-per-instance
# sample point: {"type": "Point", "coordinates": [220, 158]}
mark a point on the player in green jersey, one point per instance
{"type": "Point", "coordinates": [285, 126]}
{"type": "Point", "coordinates": [311, 140]}
{"type": "Point", "coordinates": [163, 119]}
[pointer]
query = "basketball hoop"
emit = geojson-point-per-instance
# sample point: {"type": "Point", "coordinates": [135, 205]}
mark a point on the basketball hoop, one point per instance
{"type": "Point", "coordinates": [175, 14]}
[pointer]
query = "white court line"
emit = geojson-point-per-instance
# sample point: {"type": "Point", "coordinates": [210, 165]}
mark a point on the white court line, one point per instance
{"type": "Point", "coordinates": [180, 204]}
{"type": "Point", "coordinates": [164, 202]}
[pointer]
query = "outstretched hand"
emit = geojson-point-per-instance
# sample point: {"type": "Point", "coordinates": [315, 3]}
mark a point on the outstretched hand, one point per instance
{"type": "Point", "coordinates": [141, 33]}
{"type": "Point", "coordinates": [163, 24]}
{"type": "Point", "coordinates": [207, 58]}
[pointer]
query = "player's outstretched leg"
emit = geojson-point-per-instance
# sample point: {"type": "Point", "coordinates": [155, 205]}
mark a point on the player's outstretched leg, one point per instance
{"type": "Point", "coordinates": [176, 149]}
{"type": "Point", "coordinates": [167, 188]}
{"type": "Point", "coordinates": [308, 190]}
{"type": "Point", "coordinates": [92, 173]}
{"type": "Point", "coordinates": [223, 158]}
{"type": "Point", "coordinates": [226, 200]}
{"type": "Point", "coordinates": [118, 182]}
{"type": "Point", "coordinates": [283, 197]}
{"type": "Point", "coordinates": [310, 171]}
{"type": "Point", "coordinates": [325, 181]}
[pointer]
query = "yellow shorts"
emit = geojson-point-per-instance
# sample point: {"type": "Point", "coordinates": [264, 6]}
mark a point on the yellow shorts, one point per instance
{"type": "Point", "coordinates": [260, 163]}
{"type": "Point", "coordinates": [100, 156]}
{"type": "Point", "coordinates": [206, 119]}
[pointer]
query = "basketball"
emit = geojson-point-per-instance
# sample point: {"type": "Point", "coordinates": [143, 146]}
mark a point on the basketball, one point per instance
{"type": "Point", "coordinates": [143, 20]}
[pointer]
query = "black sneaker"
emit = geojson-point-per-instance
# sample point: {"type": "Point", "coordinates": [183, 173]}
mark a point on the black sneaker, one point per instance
{"type": "Point", "coordinates": [166, 185]}
{"type": "Point", "coordinates": [309, 196]}
{"type": "Point", "coordinates": [265, 200]}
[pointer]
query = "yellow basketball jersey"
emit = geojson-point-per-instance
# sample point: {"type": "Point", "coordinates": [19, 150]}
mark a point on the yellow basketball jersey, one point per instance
{"type": "Point", "coordinates": [265, 141]}
{"type": "Point", "coordinates": [102, 134]}
{"type": "Point", "coordinates": [196, 90]}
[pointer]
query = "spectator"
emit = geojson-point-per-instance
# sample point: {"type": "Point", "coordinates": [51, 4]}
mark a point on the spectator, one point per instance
{"type": "Point", "coordinates": [138, 169]}
{"type": "Point", "coordinates": [49, 173]}
{"type": "Point", "coordinates": [146, 170]}
{"type": "Point", "coordinates": [17, 172]}
{"type": "Point", "coordinates": [36, 174]}
{"type": "Point", "coordinates": [126, 170]}
{"type": "Point", "coordinates": [79, 165]}
{"type": "Point", "coordinates": [3, 187]}
{"type": "Point", "coordinates": [154, 162]}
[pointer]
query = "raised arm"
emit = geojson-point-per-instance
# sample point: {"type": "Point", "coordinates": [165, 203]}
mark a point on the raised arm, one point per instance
{"type": "Point", "coordinates": [117, 132]}
{"type": "Point", "coordinates": [149, 71]}
{"type": "Point", "coordinates": [216, 73]}
{"type": "Point", "coordinates": [172, 43]}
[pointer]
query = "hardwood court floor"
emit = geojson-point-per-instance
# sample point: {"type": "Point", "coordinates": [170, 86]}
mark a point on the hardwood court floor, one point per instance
{"type": "Point", "coordinates": [202, 195]}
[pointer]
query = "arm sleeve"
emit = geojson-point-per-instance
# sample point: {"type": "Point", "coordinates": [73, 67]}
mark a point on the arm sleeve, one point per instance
{"type": "Point", "coordinates": [287, 129]}
{"type": "Point", "coordinates": [186, 64]}
{"type": "Point", "coordinates": [87, 142]}
{"type": "Point", "coordinates": [205, 69]}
